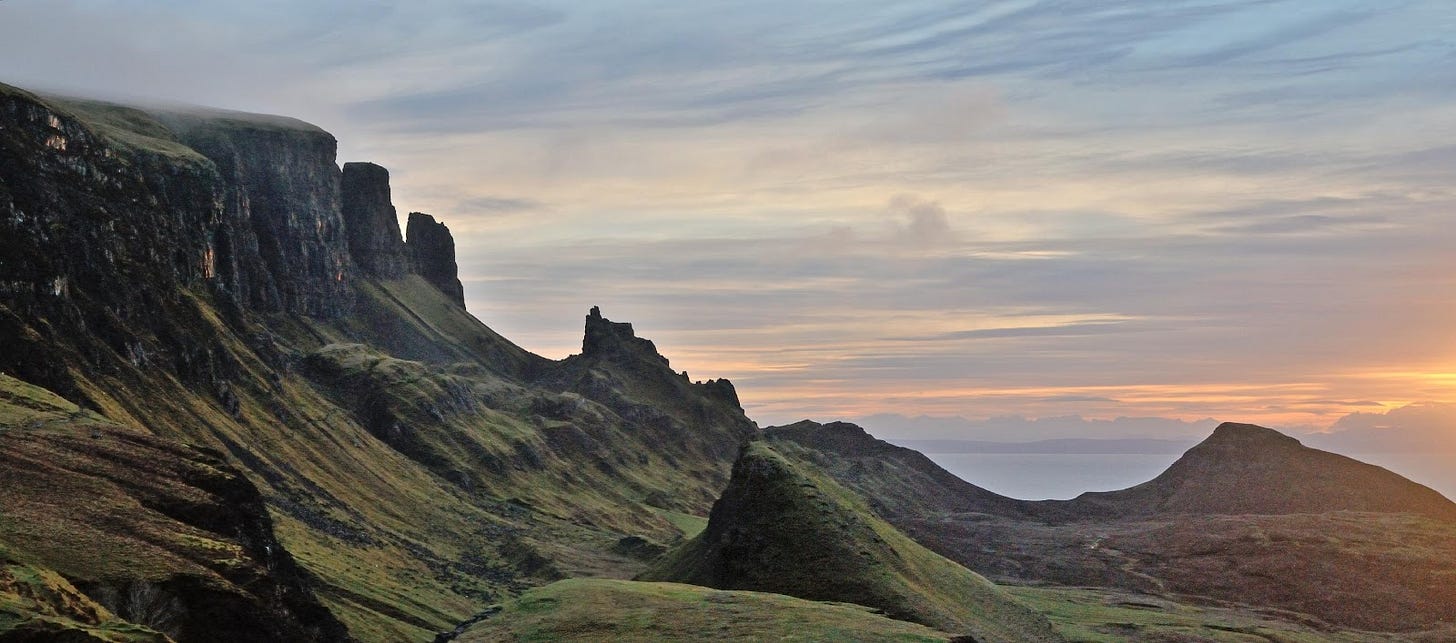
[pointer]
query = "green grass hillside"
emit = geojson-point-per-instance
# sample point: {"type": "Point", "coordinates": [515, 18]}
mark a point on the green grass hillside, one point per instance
{"type": "Point", "coordinates": [782, 526]}
{"type": "Point", "coordinates": [616, 610]}
{"type": "Point", "coordinates": [37, 604]}
{"type": "Point", "coordinates": [161, 534]}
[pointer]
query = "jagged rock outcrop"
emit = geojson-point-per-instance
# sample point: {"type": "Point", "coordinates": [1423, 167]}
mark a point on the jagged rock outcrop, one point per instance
{"type": "Point", "coordinates": [606, 338]}
{"type": "Point", "coordinates": [433, 251]}
{"type": "Point", "coordinates": [371, 222]}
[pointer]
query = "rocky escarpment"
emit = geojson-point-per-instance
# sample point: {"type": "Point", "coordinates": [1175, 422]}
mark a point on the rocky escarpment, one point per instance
{"type": "Point", "coordinates": [433, 251]}
{"type": "Point", "coordinates": [105, 218]}
{"type": "Point", "coordinates": [428, 248]}
{"type": "Point", "coordinates": [281, 237]}
{"type": "Point", "coordinates": [371, 222]}
{"type": "Point", "coordinates": [109, 213]}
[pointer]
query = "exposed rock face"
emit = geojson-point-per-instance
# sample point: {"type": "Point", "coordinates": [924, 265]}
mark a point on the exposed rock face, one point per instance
{"type": "Point", "coordinates": [605, 337]}
{"type": "Point", "coordinates": [371, 222]}
{"type": "Point", "coordinates": [433, 250]}
{"type": "Point", "coordinates": [97, 237]}
{"type": "Point", "coordinates": [283, 229]}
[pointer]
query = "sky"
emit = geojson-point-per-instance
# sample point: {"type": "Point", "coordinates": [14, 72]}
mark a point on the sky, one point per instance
{"type": "Point", "coordinates": [1038, 209]}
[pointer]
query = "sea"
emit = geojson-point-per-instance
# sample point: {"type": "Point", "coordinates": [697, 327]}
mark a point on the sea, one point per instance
{"type": "Point", "coordinates": [1062, 476]}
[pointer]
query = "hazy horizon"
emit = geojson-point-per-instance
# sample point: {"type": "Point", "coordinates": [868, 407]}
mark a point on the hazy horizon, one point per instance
{"type": "Point", "coordinates": [1228, 209]}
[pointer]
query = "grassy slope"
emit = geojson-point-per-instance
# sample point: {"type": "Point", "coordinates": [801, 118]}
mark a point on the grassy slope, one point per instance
{"type": "Point", "coordinates": [402, 551]}
{"type": "Point", "coordinates": [784, 527]}
{"type": "Point", "coordinates": [386, 538]}
{"type": "Point", "coordinates": [37, 602]}
{"type": "Point", "coordinates": [127, 127]}
{"type": "Point", "coordinates": [597, 610]}
{"type": "Point", "coordinates": [91, 501]}
{"type": "Point", "coordinates": [1108, 616]}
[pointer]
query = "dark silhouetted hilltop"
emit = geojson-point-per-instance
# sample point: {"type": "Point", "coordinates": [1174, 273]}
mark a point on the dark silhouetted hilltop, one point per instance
{"type": "Point", "coordinates": [1249, 469]}
{"type": "Point", "coordinates": [781, 526]}
{"type": "Point", "coordinates": [896, 481]}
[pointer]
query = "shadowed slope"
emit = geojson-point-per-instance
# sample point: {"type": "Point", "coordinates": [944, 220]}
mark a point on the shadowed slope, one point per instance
{"type": "Point", "coordinates": [164, 534]}
{"type": "Point", "coordinates": [783, 527]}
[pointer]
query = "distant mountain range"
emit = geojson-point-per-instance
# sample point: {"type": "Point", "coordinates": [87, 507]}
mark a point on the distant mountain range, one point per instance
{"type": "Point", "coordinates": [1063, 445]}
{"type": "Point", "coordinates": [1414, 428]}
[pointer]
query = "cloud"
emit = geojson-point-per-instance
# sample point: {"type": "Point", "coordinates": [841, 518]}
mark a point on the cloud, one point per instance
{"type": "Point", "coordinates": [1060, 330]}
{"type": "Point", "coordinates": [496, 205]}
{"type": "Point", "coordinates": [1077, 399]}
{"type": "Point", "coordinates": [1413, 428]}
{"type": "Point", "coordinates": [918, 222]}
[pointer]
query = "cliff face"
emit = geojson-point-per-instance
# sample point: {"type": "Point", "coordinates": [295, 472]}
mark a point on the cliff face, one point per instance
{"type": "Point", "coordinates": [433, 251]}
{"type": "Point", "coordinates": [372, 223]}
{"type": "Point", "coordinates": [282, 237]}
{"type": "Point", "coordinates": [99, 232]}
{"type": "Point", "coordinates": [107, 213]}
